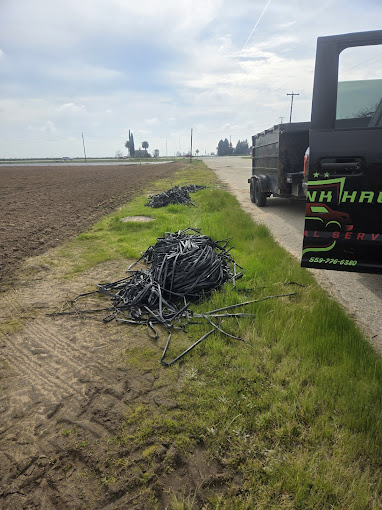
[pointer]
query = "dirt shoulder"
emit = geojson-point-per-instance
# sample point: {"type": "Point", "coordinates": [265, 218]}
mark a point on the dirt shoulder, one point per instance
{"type": "Point", "coordinates": [67, 391]}
{"type": "Point", "coordinates": [40, 207]}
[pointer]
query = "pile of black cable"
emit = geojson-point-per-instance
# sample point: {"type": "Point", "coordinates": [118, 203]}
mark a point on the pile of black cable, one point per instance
{"type": "Point", "coordinates": [175, 195]}
{"type": "Point", "coordinates": [193, 188]}
{"type": "Point", "coordinates": [184, 265]}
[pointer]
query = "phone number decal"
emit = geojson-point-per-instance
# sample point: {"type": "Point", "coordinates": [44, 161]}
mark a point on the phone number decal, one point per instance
{"type": "Point", "coordinates": [341, 262]}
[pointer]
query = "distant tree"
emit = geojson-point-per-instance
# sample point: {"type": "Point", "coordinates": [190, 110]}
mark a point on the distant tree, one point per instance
{"type": "Point", "coordinates": [130, 144]}
{"type": "Point", "coordinates": [224, 148]}
{"type": "Point", "coordinates": [132, 147]}
{"type": "Point", "coordinates": [127, 145]}
{"type": "Point", "coordinates": [242, 147]}
{"type": "Point", "coordinates": [118, 154]}
{"type": "Point", "coordinates": [145, 145]}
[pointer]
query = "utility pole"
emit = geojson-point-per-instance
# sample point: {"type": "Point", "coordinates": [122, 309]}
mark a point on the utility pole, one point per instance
{"type": "Point", "coordinates": [83, 143]}
{"type": "Point", "coordinates": [281, 119]}
{"type": "Point", "coordinates": [291, 104]}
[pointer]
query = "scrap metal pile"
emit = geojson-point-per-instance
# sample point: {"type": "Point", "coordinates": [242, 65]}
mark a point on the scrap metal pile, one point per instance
{"type": "Point", "coordinates": [184, 267]}
{"type": "Point", "coordinates": [175, 195]}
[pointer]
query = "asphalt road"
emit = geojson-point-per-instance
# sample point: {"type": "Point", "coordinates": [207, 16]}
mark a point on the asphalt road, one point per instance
{"type": "Point", "coordinates": [359, 293]}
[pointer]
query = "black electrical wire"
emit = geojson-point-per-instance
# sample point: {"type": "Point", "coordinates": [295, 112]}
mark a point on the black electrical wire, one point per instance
{"type": "Point", "coordinates": [175, 195]}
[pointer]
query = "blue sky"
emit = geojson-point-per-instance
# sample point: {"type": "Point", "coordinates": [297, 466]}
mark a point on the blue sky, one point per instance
{"type": "Point", "coordinates": [158, 68]}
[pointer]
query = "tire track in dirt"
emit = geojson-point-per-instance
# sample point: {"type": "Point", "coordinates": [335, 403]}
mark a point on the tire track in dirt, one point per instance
{"type": "Point", "coordinates": [64, 379]}
{"type": "Point", "coordinates": [42, 379]}
{"type": "Point", "coordinates": [48, 363]}
{"type": "Point", "coordinates": [49, 338]}
{"type": "Point", "coordinates": [46, 372]}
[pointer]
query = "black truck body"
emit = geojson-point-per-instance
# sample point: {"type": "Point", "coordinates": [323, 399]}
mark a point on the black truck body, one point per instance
{"type": "Point", "coordinates": [342, 184]}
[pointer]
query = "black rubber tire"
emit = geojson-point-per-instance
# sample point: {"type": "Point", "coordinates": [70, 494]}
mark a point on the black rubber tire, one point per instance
{"type": "Point", "coordinates": [252, 193]}
{"type": "Point", "coordinates": [260, 196]}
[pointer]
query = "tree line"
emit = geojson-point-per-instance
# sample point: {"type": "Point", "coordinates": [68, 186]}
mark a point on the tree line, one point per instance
{"type": "Point", "coordinates": [225, 148]}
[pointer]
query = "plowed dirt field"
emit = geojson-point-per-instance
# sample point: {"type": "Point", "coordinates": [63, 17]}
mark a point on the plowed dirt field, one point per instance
{"type": "Point", "coordinates": [42, 206]}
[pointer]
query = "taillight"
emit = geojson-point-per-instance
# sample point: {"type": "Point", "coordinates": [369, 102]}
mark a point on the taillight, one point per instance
{"type": "Point", "coordinates": [306, 161]}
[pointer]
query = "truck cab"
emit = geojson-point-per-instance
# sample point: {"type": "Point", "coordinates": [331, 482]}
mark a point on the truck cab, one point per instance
{"type": "Point", "coordinates": [344, 166]}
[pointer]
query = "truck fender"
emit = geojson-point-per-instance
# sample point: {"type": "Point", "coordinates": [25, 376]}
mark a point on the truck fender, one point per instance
{"type": "Point", "coordinates": [263, 181]}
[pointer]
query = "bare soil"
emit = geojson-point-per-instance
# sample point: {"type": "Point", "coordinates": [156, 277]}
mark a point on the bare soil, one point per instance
{"type": "Point", "coordinates": [65, 387]}
{"type": "Point", "coordinates": [42, 206]}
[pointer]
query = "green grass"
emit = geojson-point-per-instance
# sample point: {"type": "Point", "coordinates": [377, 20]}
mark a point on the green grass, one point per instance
{"type": "Point", "coordinates": [298, 417]}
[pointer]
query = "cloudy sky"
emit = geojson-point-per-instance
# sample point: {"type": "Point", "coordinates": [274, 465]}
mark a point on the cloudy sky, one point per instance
{"type": "Point", "coordinates": [158, 68]}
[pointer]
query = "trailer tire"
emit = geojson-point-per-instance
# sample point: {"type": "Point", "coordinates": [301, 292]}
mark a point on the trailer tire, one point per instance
{"type": "Point", "coordinates": [252, 192]}
{"type": "Point", "coordinates": [260, 196]}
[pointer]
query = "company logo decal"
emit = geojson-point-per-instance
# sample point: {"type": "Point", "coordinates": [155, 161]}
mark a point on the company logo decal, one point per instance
{"type": "Point", "coordinates": [326, 224]}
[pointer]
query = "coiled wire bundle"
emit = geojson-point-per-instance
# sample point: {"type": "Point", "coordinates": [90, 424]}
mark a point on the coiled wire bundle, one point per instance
{"type": "Point", "coordinates": [175, 195]}
{"type": "Point", "coordinates": [184, 265]}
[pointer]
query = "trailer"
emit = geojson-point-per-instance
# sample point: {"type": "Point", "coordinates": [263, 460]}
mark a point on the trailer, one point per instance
{"type": "Point", "coordinates": [277, 162]}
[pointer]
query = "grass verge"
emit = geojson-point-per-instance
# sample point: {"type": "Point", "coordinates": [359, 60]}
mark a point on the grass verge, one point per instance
{"type": "Point", "coordinates": [294, 422]}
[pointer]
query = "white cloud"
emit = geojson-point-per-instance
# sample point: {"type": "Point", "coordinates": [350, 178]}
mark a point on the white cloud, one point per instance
{"type": "Point", "coordinates": [225, 43]}
{"type": "Point", "coordinates": [47, 127]}
{"type": "Point", "coordinates": [281, 41]}
{"type": "Point", "coordinates": [288, 24]}
{"type": "Point", "coordinates": [76, 72]}
{"type": "Point", "coordinates": [152, 122]}
{"type": "Point", "coordinates": [71, 108]}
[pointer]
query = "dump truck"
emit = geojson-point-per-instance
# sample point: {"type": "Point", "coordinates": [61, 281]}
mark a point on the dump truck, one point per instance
{"type": "Point", "coordinates": [333, 162]}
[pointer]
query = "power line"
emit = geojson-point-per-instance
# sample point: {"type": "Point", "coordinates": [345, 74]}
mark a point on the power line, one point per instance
{"type": "Point", "coordinates": [363, 62]}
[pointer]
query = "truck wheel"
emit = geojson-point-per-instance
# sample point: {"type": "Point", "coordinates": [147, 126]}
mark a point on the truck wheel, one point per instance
{"type": "Point", "coordinates": [260, 196]}
{"type": "Point", "coordinates": [252, 193]}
